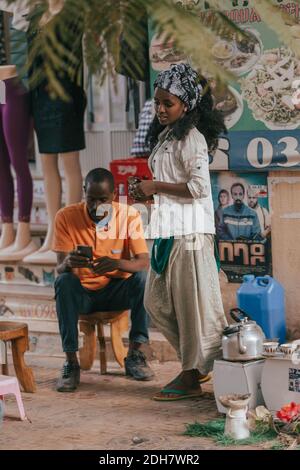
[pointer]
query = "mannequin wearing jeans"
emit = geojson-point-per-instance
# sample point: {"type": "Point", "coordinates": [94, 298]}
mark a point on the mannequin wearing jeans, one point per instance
{"type": "Point", "coordinates": [59, 129]}
{"type": "Point", "coordinates": [15, 126]}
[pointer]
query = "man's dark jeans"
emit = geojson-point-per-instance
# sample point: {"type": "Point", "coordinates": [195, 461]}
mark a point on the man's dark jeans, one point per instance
{"type": "Point", "coordinates": [72, 300]}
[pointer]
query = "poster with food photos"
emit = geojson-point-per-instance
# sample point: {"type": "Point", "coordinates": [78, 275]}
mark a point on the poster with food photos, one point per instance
{"type": "Point", "coordinates": [261, 106]}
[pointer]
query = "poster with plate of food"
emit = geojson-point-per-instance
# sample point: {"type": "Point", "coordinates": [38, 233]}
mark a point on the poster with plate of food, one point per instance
{"type": "Point", "coordinates": [238, 54]}
{"type": "Point", "coordinates": [163, 53]}
{"type": "Point", "coordinates": [229, 101]}
{"type": "Point", "coordinates": [269, 89]}
{"type": "Point", "coordinates": [261, 107]}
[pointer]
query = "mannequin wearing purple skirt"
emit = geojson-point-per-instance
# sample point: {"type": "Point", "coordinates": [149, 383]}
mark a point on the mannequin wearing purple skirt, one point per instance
{"type": "Point", "coordinates": [15, 125]}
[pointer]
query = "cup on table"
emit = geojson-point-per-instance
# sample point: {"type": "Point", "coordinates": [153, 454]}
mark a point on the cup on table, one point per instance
{"type": "Point", "coordinates": [288, 348]}
{"type": "Point", "coordinates": [270, 348]}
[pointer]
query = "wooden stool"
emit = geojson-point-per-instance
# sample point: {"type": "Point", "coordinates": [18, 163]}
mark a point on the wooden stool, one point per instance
{"type": "Point", "coordinates": [17, 333]}
{"type": "Point", "coordinates": [118, 325]}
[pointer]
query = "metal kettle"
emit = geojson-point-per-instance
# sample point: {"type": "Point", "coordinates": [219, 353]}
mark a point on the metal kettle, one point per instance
{"type": "Point", "coordinates": [243, 340]}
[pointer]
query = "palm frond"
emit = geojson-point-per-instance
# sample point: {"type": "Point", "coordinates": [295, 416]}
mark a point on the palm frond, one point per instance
{"type": "Point", "coordinates": [190, 35]}
{"type": "Point", "coordinates": [279, 21]}
{"type": "Point", "coordinates": [103, 22]}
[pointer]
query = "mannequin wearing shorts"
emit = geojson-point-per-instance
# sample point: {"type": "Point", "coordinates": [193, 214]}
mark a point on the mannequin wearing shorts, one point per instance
{"type": "Point", "coordinates": [59, 124]}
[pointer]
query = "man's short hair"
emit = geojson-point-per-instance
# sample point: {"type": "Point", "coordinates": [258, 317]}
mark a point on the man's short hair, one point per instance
{"type": "Point", "coordinates": [99, 175]}
{"type": "Point", "coordinates": [238, 184]}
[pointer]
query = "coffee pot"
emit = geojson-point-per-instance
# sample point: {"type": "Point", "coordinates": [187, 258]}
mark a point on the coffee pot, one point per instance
{"type": "Point", "coordinates": [242, 340]}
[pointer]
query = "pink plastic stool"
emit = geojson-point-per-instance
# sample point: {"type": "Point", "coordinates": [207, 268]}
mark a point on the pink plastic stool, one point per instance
{"type": "Point", "coordinates": [10, 385]}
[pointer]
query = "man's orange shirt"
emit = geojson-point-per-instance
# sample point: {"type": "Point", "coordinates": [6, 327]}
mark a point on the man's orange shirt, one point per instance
{"type": "Point", "coordinates": [121, 238]}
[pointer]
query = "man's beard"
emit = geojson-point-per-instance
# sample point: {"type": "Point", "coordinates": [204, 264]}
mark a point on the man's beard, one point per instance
{"type": "Point", "coordinates": [95, 218]}
{"type": "Point", "coordinates": [238, 203]}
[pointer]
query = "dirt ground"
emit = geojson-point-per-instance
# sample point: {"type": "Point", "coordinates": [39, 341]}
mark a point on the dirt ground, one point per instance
{"type": "Point", "coordinates": [106, 412]}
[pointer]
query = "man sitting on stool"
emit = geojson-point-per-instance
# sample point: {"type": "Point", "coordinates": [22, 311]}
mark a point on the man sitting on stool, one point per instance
{"type": "Point", "coordinates": [110, 280]}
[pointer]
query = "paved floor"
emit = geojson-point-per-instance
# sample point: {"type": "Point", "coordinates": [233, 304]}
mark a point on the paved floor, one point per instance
{"type": "Point", "coordinates": [105, 413]}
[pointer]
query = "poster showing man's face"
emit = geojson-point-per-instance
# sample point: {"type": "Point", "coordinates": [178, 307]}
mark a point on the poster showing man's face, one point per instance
{"type": "Point", "coordinates": [237, 194]}
{"type": "Point", "coordinates": [252, 199]}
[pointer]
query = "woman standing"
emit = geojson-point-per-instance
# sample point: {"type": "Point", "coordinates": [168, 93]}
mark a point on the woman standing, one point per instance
{"type": "Point", "coordinates": [182, 292]}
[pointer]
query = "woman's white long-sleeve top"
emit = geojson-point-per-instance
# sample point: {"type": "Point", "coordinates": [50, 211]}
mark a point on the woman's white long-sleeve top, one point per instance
{"type": "Point", "coordinates": [183, 161]}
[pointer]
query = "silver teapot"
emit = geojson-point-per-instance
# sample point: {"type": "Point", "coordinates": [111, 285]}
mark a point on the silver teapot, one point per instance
{"type": "Point", "coordinates": [243, 340]}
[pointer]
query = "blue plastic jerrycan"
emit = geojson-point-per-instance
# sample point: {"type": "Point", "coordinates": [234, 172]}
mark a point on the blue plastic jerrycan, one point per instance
{"type": "Point", "coordinates": [262, 298]}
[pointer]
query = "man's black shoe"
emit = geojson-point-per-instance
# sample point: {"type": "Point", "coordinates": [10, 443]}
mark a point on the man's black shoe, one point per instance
{"type": "Point", "coordinates": [136, 366]}
{"type": "Point", "coordinates": [70, 378]}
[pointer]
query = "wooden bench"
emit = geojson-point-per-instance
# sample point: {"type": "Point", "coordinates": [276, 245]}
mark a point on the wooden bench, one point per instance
{"type": "Point", "coordinates": [118, 321]}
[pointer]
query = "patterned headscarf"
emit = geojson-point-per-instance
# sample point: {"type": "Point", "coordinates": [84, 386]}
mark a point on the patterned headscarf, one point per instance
{"type": "Point", "coordinates": [182, 81]}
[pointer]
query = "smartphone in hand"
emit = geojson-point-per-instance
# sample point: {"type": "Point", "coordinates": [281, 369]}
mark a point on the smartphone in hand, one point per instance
{"type": "Point", "coordinates": [85, 250]}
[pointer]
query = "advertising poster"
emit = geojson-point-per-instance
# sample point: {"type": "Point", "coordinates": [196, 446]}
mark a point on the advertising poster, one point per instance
{"type": "Point", "coordinates": [294, 380]}
{"type": "Point", "coordinates": [260, 107]}
{"type": "Point", "coordinates": [243, 223]}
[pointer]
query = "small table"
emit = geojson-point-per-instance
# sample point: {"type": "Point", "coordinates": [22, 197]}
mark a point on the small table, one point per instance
{"type": "Point", "coordinates": [238, 377]}
{"type": "Point", "coordinates": [280, 381]}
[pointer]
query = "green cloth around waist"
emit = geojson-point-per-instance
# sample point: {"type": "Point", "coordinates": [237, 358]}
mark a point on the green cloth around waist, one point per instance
{"type": "Point", "coordinates": [160, 255]}
{"type": "Point", "coordinates": [161, 251]}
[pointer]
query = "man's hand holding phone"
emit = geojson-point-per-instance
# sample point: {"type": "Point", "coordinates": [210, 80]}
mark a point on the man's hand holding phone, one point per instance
{"type": "Point", "coordinates": [77, 260]}
{"type": "Point", "coordinates": [104, 265]}
{"type": "Point", "coordinates": [80, 258]}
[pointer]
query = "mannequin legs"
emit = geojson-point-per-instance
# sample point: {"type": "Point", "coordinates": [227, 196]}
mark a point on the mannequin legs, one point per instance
{"type": "Point", "coordinates": [6, 179]}
{"type": "Point", "coordinates": [16, 130]}
{"type": "Point", "coordinates": [23, 236]}
{"type": "Point", "coordinates": [7, 235]}
{"type": "Point", "coordinates": [53, 193]}
{"type": "Point", "coordinates": [52, 184]}
{"type": "Point", "coordinates": [53, 187]}
{"type": "Point", "coordinates": [73, 177]}
{"type": "Point", "coordinates": [22, 245]}
{"type": "Point", "coordinates": [53, 190]}
{"type": "Point", "coordinates": [14, 137]}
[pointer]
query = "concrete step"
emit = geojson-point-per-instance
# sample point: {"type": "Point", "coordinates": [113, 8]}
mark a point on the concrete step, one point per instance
{"type": "Point", "coordinates": [44, 340]}
{"type": "Point", "coordinates": [19, 290]}
{"type": "Point", "coordinates": [24, 278]}
{"type": "Point", "coordinates": [35, 306]}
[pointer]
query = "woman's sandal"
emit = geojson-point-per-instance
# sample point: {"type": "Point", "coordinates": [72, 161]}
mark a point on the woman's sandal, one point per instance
{"type": "Point", "coordinates": [181, 394]}
{"type": "Point", "coordinates": [204, 378]}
